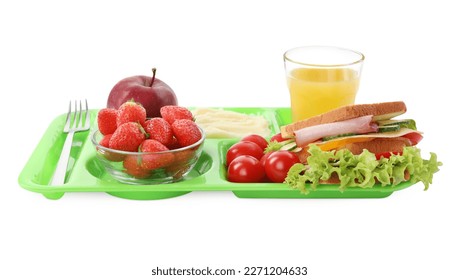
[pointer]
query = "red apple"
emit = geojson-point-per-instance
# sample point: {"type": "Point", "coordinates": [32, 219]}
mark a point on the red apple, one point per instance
{"type": "Point", "coordinates": [151, 92]}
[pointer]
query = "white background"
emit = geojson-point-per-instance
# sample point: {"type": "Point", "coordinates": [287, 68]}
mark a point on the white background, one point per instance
{"type": "Point", "coordinates": [224, 53]}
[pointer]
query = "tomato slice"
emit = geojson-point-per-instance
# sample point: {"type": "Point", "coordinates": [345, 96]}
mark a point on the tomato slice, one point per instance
{"type": "Point", "coordinates": [386, 154]}
{"type": "Point", "coordinates": [414, 138]}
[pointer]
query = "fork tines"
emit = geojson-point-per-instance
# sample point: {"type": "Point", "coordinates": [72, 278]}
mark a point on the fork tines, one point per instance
{"type": "Point", "coordinates": [77, 119]}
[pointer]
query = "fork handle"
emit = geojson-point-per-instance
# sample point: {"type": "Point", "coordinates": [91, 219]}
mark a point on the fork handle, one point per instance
{"type": "Point", "coordinates": [61, 169]}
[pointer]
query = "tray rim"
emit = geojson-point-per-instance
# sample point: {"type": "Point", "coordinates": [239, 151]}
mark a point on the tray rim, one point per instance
{"type": "Point", "coordinates": [211, 146]}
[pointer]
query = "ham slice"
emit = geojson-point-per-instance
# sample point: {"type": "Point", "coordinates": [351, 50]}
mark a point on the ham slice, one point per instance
{"type": "Point", "coordinates": [358, 125]}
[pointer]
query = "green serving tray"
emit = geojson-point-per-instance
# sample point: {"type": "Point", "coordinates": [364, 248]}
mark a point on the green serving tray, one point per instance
{"type": "Point", "coordinates": [86, 174]}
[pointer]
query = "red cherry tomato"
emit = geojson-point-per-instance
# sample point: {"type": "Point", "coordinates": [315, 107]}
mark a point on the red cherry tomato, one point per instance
{"type": "Point", "coordinates": [264, 157]}
{"type": "Point", "coordinates": [262, 162]}
{"type": "Point", "coordinates": [245, 169]}
{"type": "Point", "coordinates": [243, 148]}
{"type": "Point", "coordinates": [278, 164]}
{"type": "Point", "coordinates": [257, 139]}
{"type": "Point", "coordinates": [278, 137]}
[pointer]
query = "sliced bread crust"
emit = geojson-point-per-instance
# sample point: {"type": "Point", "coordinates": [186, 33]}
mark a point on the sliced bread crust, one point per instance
{"type": "Point", "coordinates": [380, 111]}
{"type": "Point", "coordinates": [375, 146]}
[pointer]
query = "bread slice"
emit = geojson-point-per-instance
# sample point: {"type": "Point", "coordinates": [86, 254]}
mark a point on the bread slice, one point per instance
{"type": "Point", "coordinates": [375, 146]}
{"type": "Point", "coordinates": [380, 111]}
{"type": "Point", "coordinates": [378, 145]}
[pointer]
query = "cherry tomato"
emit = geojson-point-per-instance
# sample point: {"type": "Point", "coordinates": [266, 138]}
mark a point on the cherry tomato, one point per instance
{"type": "Point", "coordinates": [264, 157]}
{"type": "Point", "coordinates": [278, 137]}
{"type": "Point", "coordinates": [245, 169]}
{"type": "Point", "coordinates": [257, 139]}
{"type": "Point", "coordinates": [243, 148]}
{"type": "Point", "coordinates": [278, 164]}
{"type": "Point", "coordinates": [262, 162]}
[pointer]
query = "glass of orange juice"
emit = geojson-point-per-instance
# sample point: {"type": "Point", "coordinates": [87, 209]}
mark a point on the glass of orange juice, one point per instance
{"type": "Point", "coordinates": [321, 78]}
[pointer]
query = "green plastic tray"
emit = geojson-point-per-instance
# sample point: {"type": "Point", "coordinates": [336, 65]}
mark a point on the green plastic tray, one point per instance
{"type": "Point", "coordinates": [85, 174]}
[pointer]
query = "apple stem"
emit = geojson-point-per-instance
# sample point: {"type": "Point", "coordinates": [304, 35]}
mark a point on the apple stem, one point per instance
{"type": "Point", "coordinates": [153, 78]}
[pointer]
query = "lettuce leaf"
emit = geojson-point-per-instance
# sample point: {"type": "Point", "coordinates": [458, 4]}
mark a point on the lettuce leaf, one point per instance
{"type": "Point", "coordinates": [363, 170]}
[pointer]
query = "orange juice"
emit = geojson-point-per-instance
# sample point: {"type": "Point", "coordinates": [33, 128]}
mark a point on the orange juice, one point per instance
{"type": "Point", "coordinates": [314, 91]}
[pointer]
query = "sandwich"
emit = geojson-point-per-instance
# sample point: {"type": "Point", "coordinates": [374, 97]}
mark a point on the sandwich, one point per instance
{"type": "Point", "coordinates": [358, 146]}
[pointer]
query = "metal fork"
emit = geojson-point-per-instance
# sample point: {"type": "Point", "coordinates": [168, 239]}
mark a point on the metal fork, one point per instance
{"type": "Point", "coordinates": [76, 121]}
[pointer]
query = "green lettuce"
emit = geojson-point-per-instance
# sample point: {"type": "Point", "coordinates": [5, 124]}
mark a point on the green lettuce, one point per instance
{"type": "Point", "coordinates": [363, 170]}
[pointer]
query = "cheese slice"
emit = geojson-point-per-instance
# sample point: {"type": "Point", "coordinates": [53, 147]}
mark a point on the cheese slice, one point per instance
{"type": "Point", "coordinates": [339, 142]}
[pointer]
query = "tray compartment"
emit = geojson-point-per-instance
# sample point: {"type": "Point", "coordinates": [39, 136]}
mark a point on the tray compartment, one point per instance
{"type": "Point", "coordinates": [209, 174]}
{"type": "Point", "coordinates": [313, 194]}
{"type": "Point", "coordinates": [96, 169]}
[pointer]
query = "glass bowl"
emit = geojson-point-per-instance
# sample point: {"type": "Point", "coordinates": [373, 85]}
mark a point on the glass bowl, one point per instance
{"type": "Point", "coordinates": [147, 168]}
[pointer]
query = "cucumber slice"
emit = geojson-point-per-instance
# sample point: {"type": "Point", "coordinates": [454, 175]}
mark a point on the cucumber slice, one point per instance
{"type": "Point", "coordinates": [406, 123]}
{"type": "Point", "coordinates": [276, 146]}
{"type": "Point", "coordinates": [285, 142]}
{"type": "Point", "coordinates": [388, 128]}
{"type": "Point", "coordinates": [392, 122]}
{"type": "Point", "coordinates": [296, 149]}
{"type": "Point", "coordinates": [327, 138]}
{"type": "Point", "coordinates": [288, 147]}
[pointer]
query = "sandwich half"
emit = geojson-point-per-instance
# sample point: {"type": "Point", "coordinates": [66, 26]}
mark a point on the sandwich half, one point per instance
{"type": "Point", "coordinates": [356, 127]}
{"type": "Point", "coordinates": [358, 145]}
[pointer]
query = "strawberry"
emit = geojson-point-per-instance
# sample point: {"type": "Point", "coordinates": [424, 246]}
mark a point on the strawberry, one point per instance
{"type": "Point", "coordinates": [155, 160]}
{"type": "Point", "coordinates": [182, 162]}
{"type": "Point", "coordinates": [160, 130]}
{"type": "Point", "coordinates": [131, 111]}
{"type": "Point", "coordinates": [127, 137]}
{"type": "Point", "coordinates": [106, 120]}
{"type": "Point", "coordinates": [186, 131]}
{"type": "Point", "coordinates": [177, 171]}
{"type": "Point", "coordinates": [174, 145]}
{"type": "Point", "coordinates": [104, 142]}
{"type": "Point", "coordinates": [185, 156]}
{"type": "Point", "coordinates": [133, 167]}
{"type": "Point", "coordinates": [171, 113]}
{"type": "Point", "coordinates": [111, 156]}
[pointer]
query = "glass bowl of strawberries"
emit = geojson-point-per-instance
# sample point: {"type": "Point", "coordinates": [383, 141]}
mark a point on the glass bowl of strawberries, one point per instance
{"type": "Point", "coordinates": [137, 150]}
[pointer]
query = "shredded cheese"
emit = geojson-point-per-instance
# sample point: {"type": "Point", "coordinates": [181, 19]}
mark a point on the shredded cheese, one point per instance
{"type": "Point", "coordinates": [218, 123]}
